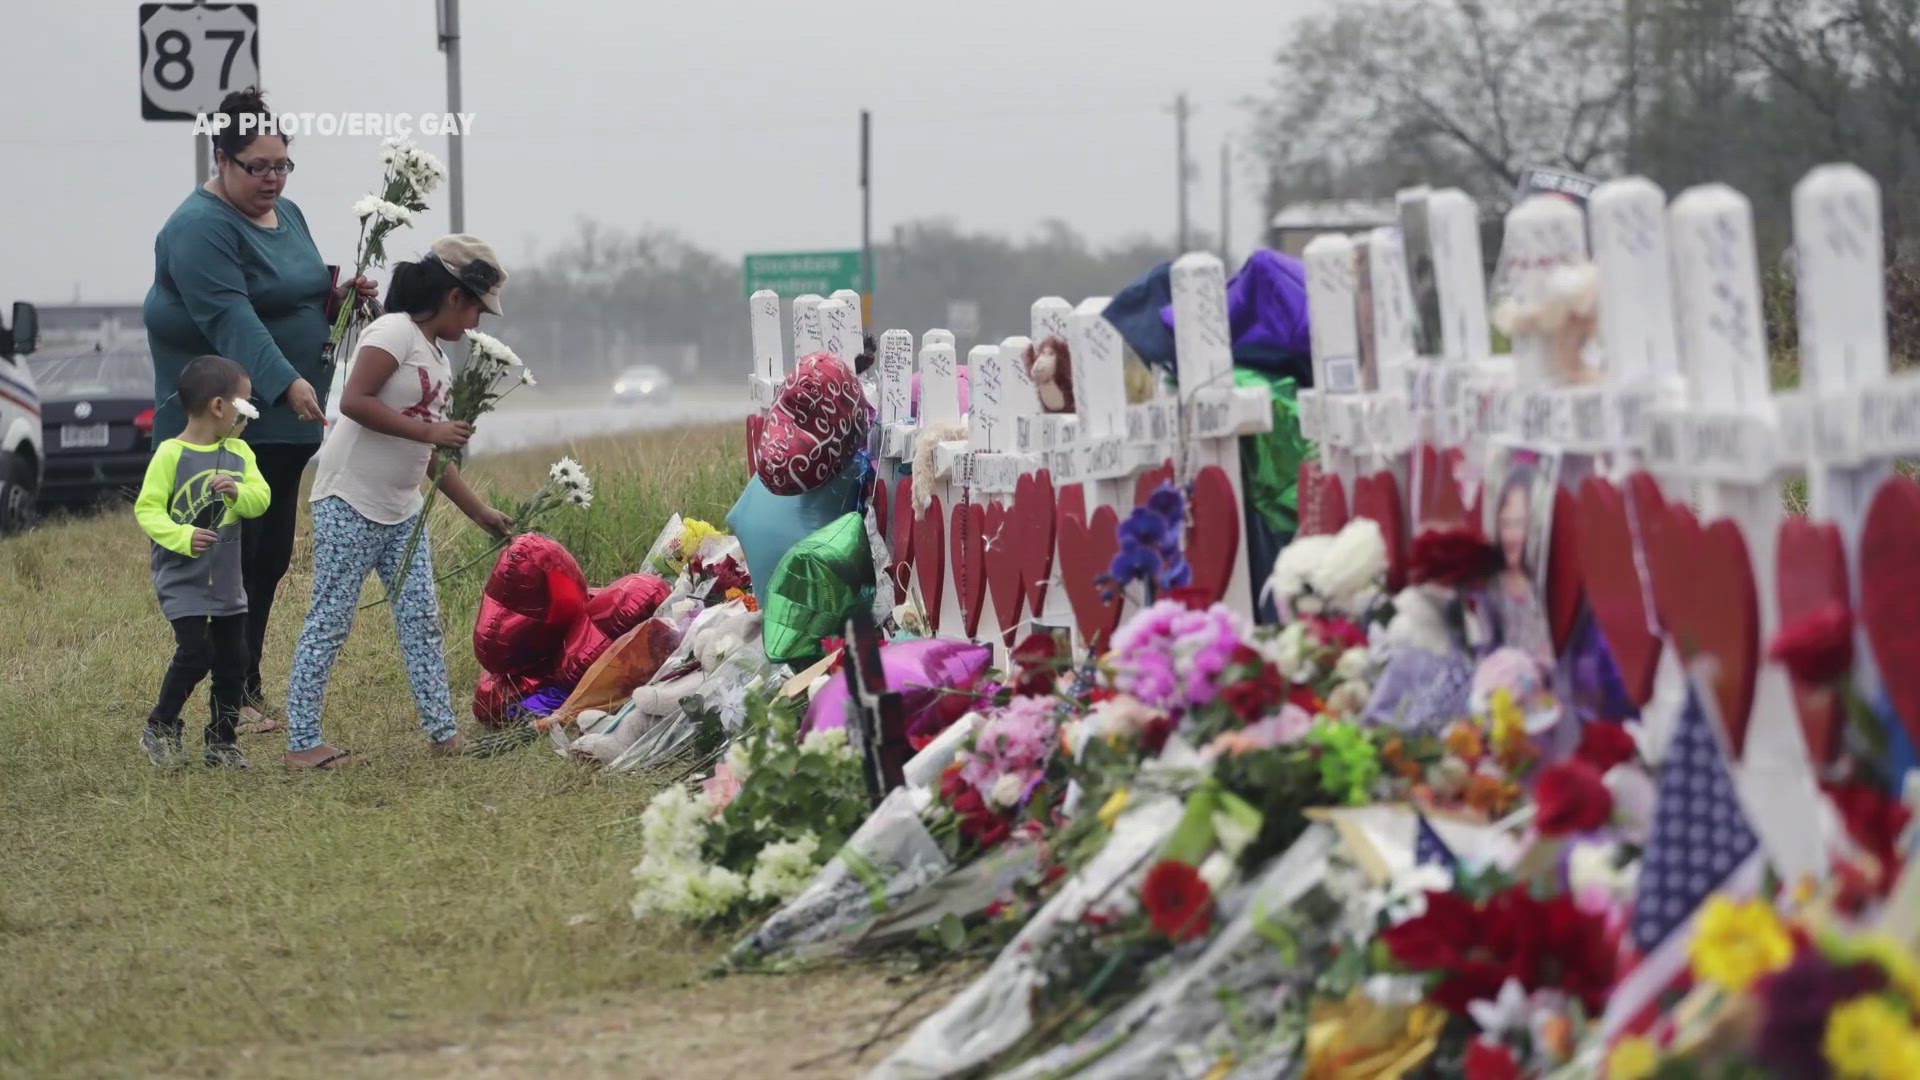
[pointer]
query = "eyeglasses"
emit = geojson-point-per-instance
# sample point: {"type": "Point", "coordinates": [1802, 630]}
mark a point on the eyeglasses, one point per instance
{"type": "Point", "coordinates": [262, 168]}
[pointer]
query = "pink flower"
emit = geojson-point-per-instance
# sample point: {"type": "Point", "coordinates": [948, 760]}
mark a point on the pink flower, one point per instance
{"type": "Point", "coordinates": [1017, 741]}
{"type": "Point", "coordinates": [1172, 657]}
{"type": "Point", "coordinates": [1292, 725]}
{"type": "Point", "coordinates": [721, 788]}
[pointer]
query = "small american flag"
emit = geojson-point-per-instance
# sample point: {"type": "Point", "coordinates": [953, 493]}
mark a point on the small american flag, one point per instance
{"type": "Point", "coordinates": [1700, 836]}
{"type": "Point", "coordinates": [1429, 849]}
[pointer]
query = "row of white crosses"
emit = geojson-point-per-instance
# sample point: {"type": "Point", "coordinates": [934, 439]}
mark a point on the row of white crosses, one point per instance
{"type": "Point", "coordinates": [1684, 392]}
{"type": "Point", "coordinates": [1100, 447]}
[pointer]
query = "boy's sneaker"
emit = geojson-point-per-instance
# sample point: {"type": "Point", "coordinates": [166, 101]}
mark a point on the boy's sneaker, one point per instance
{"type": "Point", "coordinates": [226, 756]}
{"type": "Point", "coordinates": [162, 747]}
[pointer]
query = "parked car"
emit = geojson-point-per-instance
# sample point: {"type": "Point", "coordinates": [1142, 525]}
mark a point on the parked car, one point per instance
{"type": "Point", "coordinates": [97, 419]}
{"type": "Point", "coordinates": [643, 384]}
{"type": "Point", "coordinates": [21, 454]}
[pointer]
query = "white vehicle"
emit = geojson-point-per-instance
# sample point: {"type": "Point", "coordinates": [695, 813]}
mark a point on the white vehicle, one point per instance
{"type": "Point", "coordinates": [22, 456]}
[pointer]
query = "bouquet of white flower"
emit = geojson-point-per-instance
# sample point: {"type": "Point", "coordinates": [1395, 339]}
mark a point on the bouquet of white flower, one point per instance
{"type": "Point", "coordinates": [411, 174]}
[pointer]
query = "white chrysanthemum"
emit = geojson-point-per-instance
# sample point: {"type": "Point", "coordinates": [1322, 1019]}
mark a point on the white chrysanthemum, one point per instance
{"type": "Point", "coordinates": [685, 890]}
{"type": "Point", "coordinates": [673, 825]}
{"type": "Point", "coordinates": [832, 741]}
{"type": "Point", "coordinates": [1354, 564]}
{"type": "Point", "coordinates": [373, 206]}
{"type": "Point", "coordinates": [526, 378]}
{"type": "Point", "coordinates": [489, 348]}
{"type": "Point", "coordinates": [1289, 653]}
{"type": "Point", "coordinates": [1353, 663]}
{"type": "Point", "coordinates": [245, 408]}
{"type": "Point", "coordinates": [1006, 790]}
{"type": "Point", "coordinates": [783, 869]}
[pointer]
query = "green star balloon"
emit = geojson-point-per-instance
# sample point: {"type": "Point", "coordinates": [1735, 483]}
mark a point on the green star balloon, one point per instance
{"type": "Point", "coordinates": [818, 583]}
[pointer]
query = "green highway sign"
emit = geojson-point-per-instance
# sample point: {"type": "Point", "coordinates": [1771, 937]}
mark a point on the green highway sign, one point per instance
{"type": "Point", "coordinates": [803, 272]}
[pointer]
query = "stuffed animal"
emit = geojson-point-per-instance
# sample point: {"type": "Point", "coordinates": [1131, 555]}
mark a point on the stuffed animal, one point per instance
{"type": "Point", "coordinates": [716, 634]}
{"type": "Point", "coordinates": [1051, 367]}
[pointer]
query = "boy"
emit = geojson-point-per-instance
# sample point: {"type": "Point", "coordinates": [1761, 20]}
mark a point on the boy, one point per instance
{"type": "Point", "coordinates": [198, 488]}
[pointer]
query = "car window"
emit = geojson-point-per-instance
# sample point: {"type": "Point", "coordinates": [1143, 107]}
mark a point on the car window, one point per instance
{"type": "Point", "coordinates": [93, 373]}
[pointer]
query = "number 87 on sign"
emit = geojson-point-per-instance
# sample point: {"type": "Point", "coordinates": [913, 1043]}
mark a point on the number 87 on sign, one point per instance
{"type": "Point", "coordinates": [193, 55]}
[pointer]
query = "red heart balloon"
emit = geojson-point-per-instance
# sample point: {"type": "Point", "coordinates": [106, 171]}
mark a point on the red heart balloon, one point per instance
{"type": "Point", "coordinates": [1149, 482]}
{"type": "Point", "coordinates": [930, 560]}
{"type": "Point", "coordinates": [1092, 549]}
{"type": "Point", "coordinates": [903, 533]}
{"type": "Point", "coordinates": [1005, 570]}
{"type": "Point", "coordinates": [967, 545]}
{"type": "Point", "coordinates": [756, 425]}
{"type": "Point", "coordinates": [1378, 497]}
{"type": "Point", "coordinates": [1564, 583]}
{"type": "Point", "coordinates": [1032, 526]}
{"type": "Point", "coordinates": [1703, 586]}
{"type": "Point", "coordinates": [1612, 579]}
{"type": "Point", "coordinates": [1810, 572]}
{"type": "Point", "coordinates": [1890, 593]}
{"type": "Point", "coordinates": [1213, 536]}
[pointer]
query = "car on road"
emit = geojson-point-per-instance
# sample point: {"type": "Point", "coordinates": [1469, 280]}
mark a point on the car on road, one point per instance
{"type": "Point", "coordinates": [96, 420]}
{"type": "Point", "coordinates": [20, 414]}
{"type": "Point", "coordinates": [643, 384]}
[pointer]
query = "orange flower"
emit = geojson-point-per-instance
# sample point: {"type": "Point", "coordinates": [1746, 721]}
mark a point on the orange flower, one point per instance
{"type": "Point", "coordinates": [1464, 741]}
{"type": "Point", "coordinates": [743, 595]}
{"type": "Point", "coordinates": [1491, 795]}
{"type": "Point", "coordinates": [1395, 756]}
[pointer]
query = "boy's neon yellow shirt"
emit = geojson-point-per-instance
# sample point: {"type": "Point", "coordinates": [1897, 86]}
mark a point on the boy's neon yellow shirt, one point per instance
{"type": "Point", "coordinates": [176, 498]}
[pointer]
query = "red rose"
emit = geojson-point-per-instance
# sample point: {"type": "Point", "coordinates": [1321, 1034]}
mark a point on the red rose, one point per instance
{"type": "Point", "coordinates": [1178, 902]}
{"type": "Point", "coordinates": [1875, 820]}
{"type": "Point", "coordinates": [1451, 557]}
{"type": "Point", "coordinates": [1817, 647]}
{"type": "Point", "coordinates": [1569, 797]}
{"type": "Point", "coordinates": [1489, 1060]}
{"type": "Point", "coordinates": [1606, 743]}
{"type": "Point", "coordinates": [1037, 648]}
{"type": "Point", "coordinates": [1436, 938]}
{"type": "Point", "coordinates": [1303, 696]}
{"type": "Point", "coordinates": [1245, 656]}
{"type": "Point", "coordinates": [1195, 598]}
{"type": "Point", "coordinates": [1336, 633]}
{"type": "Point", "coordinates": [1253, 698]}
{"type": "Point", "coordinates": [1155, 733]}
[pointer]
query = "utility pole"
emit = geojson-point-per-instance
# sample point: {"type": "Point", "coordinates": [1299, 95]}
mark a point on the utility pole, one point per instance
{"type": "Point", "coordinates": [1180, 114]}
{"type": "Point", "coordinates": [1226, 204]}
{"type": "Point", "coordinates": [866, 216]}
{"type": "Point", "coordinates": [448, 12]}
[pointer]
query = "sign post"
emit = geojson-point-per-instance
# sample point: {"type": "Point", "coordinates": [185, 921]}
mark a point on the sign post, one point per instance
{"type": "Point", "coordinates": [191, 56]}
{"type": "Point", "coordinates": [801, 273]}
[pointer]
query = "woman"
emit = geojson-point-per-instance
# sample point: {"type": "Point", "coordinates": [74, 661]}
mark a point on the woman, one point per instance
{"type": "Point", "coordinates": [236, 274]}
{"type": "Point", "coordinates": [1515, 600]}
{"type": "Point", "coordinates": [366, 490]}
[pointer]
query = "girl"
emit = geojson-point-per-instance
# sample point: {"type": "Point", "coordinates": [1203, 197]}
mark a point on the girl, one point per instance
{"type": "Point", "coordinates": [366, 491]}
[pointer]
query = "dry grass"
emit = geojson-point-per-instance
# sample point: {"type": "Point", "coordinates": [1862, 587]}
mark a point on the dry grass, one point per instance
{"type": "Point", "coordinates": [158, 922]}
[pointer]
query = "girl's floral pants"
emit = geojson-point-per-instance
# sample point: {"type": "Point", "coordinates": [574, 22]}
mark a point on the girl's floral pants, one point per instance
{"type": "Point", "coordinates": [346, 547]}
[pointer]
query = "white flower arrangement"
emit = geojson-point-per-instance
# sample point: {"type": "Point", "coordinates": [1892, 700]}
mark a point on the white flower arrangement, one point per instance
{"type": "Point", "coordinates": [413, 164]}
{"type": "Point", "coordinates": [373, 206]}
{"type": "Point", "coordinates": [489, 349]}
{"type": "Point", "coordinates": [828, 741]}
{"type": "Point", "coordinates": [1323, 575]}
{"type": "Point", "coordinates": [245, 409]}
{"type": "Point", "coordinates": [783, 869]}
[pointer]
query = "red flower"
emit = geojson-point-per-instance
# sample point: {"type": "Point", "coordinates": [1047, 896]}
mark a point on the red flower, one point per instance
{"type": "Point", "coordinates": [1489, 1060]}
{"type": "Point", "coordinates": [1155, 733]}
{"type": "Point", "coordinates": [1036, 663]}
{"type": "Point", "coordinates": [1606, 743]}
{"type": "Point", "coordinates": [1178, 903]}
{"type": "Point", "coordinates": [1875, 820]}
{"type": "Point", "coordinates": [1569, 797]}
{"type": "Point", "coordinates": [1336, 633]}
{"type": "Point", "coordinates": [1544, 945]}
{"type": "Point", "coordinates": [1194, 597]}
{"type": "Point", "coordinates": [1451, 557]}
{"type": "Point", "coordinates": [1816, 647]}
{"type": "Point", "coordinates": [1255, 697]}
{"type": "Point", "coordinates": [1303, 696]}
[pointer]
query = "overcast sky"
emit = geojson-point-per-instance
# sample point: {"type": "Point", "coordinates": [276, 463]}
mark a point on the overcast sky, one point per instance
{"type": "Point", "coordinates": [735, 123]}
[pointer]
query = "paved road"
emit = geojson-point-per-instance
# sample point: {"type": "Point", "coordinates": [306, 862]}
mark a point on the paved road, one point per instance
{"type": "Point", "coordinates": [526, 420]}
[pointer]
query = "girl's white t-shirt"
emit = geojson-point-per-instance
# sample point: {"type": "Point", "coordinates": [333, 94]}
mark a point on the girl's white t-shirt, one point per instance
{"type": "Point", "coordinates": [377, 474]}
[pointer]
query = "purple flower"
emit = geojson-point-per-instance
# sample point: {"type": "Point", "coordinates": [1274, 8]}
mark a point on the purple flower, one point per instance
{"type": "Point", "coordinates": [1144, 527]}
{"type": "Point", "coordinates": [1796, 1002]}
{"type": "Point", "coordinates": [1170, 504]}
{"type": "Point", "coordinates": [1134, 563]}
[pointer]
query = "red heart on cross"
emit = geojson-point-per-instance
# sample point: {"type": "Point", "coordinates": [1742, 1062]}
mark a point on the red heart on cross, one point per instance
{"type": "Point", "coordinates": [1005, 570]}
{"type": "Point", "coordinates": [1564, 582]}
{"type": "Point", "coordinates": [967, 548]}
{"type": "Point", "coordinates": [1377, 497]}
{"type": "Point", "coordinates": [1149, 482]}
{"type": "Point", "coordinates": [1032, 527]}
{"type": "Point", "coordinates": [1612, 578]}
{"type": "Point", "coordinates": [1331, 504]}
{"type": "Point", "coordinates": [1810, 572]}
{"type": "Point", "coordinates": [903, 533]}
{"type": "Point", "coordinates": [1213, 537]}
{"type": "Point", "coordinates": [1703, 586]}
{"type": "Point", "coordinates": [930, 560]}
{"type": "Point", "coordinates": [1449, 506]}
{"type": "Point", "coordinates": [1890, 593]}
{"type": "Point", "coordinates": [1093, 548]}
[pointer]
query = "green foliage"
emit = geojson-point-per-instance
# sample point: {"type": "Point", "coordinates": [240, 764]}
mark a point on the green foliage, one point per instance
{"type": "Point", "coordinates": [789, 789]}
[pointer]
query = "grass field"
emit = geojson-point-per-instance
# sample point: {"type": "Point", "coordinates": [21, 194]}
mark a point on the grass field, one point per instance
{"type": "Point", "coordinates": [202, 924]}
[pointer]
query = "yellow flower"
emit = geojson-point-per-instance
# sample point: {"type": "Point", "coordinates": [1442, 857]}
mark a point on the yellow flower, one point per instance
{"type": "Point", "coordinates": [1110, 810]}
{"type": "Point", "coordinates": [1902, 969]}
{"type": "Point", "coordinates": [1868, 1038]}
{"type": "Point", "coordinates": [1509, 721]}
{"type": "Point", "coordinates": [1633, 1058]}
{"type": "Point", "coordinates": [1739, 942]}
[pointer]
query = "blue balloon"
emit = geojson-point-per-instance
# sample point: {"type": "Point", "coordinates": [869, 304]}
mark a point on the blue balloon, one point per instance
{"type": "Point", "coordinates": [767, 524]}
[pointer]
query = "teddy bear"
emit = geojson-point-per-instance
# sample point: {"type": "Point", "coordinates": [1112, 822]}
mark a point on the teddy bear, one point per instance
{"type": "Point", "coordinates": [714, 636]}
